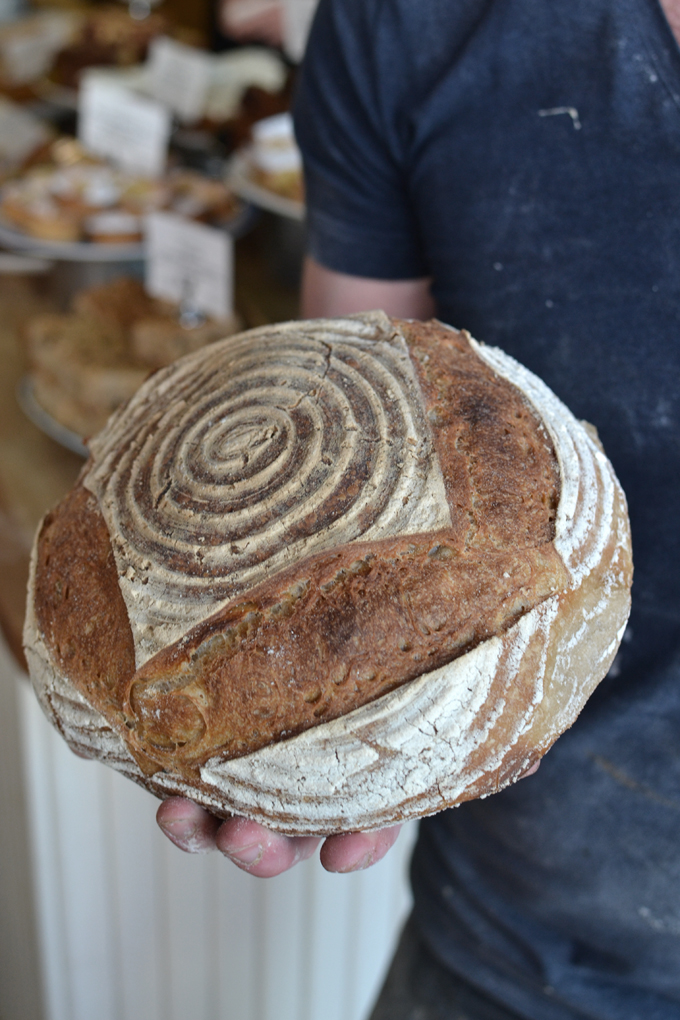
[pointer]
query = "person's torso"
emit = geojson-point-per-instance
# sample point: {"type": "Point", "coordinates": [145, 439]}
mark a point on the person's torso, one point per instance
{"type": "Point", "coordinates": [541, 146]}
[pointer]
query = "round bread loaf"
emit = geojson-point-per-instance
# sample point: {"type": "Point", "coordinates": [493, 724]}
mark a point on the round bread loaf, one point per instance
{"type": "Point", "coordinates": [331, 575]}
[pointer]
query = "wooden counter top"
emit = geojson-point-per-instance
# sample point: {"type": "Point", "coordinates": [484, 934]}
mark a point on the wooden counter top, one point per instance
{"type": "Point", "coordinates": [35, 472]}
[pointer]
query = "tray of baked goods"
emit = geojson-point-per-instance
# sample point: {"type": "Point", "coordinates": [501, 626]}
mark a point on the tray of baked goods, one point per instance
{"type": "Point", "coordinates": [87, 362]}
{"type": "Point", "coordinates": [43, 54]}
{"type": "Point", "coordinates": [268, 171]}
{"type": "Point", "coordinates": [75, 206]}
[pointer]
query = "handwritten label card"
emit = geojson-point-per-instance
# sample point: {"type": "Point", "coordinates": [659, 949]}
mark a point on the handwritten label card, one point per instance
{"type": "Point", "coordinates": [190, 264]}
{"type": "Point", "coordinates": [179, 76]}
{"type": "Point", "coordinates": [131, 130]}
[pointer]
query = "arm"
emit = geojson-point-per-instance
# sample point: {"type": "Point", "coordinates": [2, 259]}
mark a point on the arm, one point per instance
{"type": "Point", "coordinates": [326, 293]}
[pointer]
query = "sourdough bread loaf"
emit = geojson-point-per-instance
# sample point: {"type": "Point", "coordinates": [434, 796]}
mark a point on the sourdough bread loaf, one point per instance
{"type": "Point", "coordinates": [331, 575]}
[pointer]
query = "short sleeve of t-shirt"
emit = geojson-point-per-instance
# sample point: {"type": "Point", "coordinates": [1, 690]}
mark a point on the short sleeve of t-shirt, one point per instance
{"type": "Point", "coordinates": [354, 140]}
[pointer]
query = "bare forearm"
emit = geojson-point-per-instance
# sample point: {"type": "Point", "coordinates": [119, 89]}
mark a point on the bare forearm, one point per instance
{"type": "Point", "coordinates": [326, 293]}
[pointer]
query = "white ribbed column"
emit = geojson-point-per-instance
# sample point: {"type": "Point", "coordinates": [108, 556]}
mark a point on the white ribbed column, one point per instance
{"type": "Point", "coordinates": [131, 928]}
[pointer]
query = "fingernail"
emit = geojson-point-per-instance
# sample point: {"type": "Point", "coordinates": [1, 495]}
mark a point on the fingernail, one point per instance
{"type": "Point", "coordinates": [188, 838]}
{"type": "Point", "coordinates": [361, 865]}
{"type": "Point", "coordinates": [179, 827]}
{"type": "Point", "coordinates": [247, 855]}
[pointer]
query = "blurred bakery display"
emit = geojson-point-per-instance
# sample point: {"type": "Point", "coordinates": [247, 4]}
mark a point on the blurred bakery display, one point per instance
{"type": "Point", "coordinates": [84, 364]}
{"type": "Point", "coordinates": [42, 55]}
{"type": "Point", "coordinates": [247, 85]}
{"type": "Point", "coordinates": [214, 116]}
{"type": "Point", "coordinates": [43, 58]}
{"type": "Point", "coordinates": [215, 99]}
{"type": "Point", "coordinates": [105, 36]}
{"type": "Point", "coordinates": [231, 151]}
{"type": "Point", "coordinates": [29, 47]}
{"type": "Point", "coordinates": [74, 197]}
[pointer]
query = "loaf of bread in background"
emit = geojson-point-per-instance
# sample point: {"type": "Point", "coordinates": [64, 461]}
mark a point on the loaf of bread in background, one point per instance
{"type": "Point", "coordinates": [88, 362]}
{"type": "Point", "coordinates": [331, 575]}
{"type": "Point", "coordinates": [158, 340]}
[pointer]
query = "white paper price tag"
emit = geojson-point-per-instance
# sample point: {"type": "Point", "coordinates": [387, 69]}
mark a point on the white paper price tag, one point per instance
{"type": "Point", "coordinates": [190, 264]}
{"type": "Point", "coordinates": [179, 76]}
{"type": "Point", "coordinates": [297, 21]}
{"type": "Point", "coordinates": [130, 130]}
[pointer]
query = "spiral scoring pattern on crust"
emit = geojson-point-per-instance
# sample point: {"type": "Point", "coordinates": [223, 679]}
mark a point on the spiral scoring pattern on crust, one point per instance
{"type": "Point", "coordinates": [278, 444]}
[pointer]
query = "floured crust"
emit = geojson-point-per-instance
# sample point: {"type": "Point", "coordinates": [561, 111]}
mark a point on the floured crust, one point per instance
{"type": "Point", "coordinates": [239, 461]}
{"type": "Point", "coordinates": [382, 677]}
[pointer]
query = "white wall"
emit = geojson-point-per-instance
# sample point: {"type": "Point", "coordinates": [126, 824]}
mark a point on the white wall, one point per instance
{"type": "Point", "coordinates": [130, 928]}
{"type": "Point", "coordinates": [20, 986]}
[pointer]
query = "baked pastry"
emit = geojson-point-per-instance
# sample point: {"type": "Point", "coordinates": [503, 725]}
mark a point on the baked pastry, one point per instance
{"type": "Point", "coordinates": [331, 575]}
{"type": "Point", "coordinates": [31, 208]}
{"type": "Point", "coordinates": [120, 302]}
{"type": "Point", "coordinates": [107, 36]}
{"type": "Point", "coordinates": [247, 76]}
{"type": "Point", "coordinates": [276, 159]}
{"type": "Point", "coordinates": [28, 45]}
{"type": "Point", "coordinates": [85, 188]}
{"type": "Point", "coordinates": [202, 198]}
{"type": "Point", "coordinates": [80, 198]}
{"type": "Point", "coordinates": [52, 203]}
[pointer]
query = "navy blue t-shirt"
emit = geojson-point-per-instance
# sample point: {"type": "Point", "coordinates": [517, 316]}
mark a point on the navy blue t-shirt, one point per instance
{"type": "Point", "coordinates": [526, 155]}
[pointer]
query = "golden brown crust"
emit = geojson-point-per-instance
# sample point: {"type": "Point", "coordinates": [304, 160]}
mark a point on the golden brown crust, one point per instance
{"type": "Point", "coordinates": [500, 470]}
{"type": "Point", "coordinates": [319, 640]}
{"type": "Point", "coordinates": [78, 604]}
